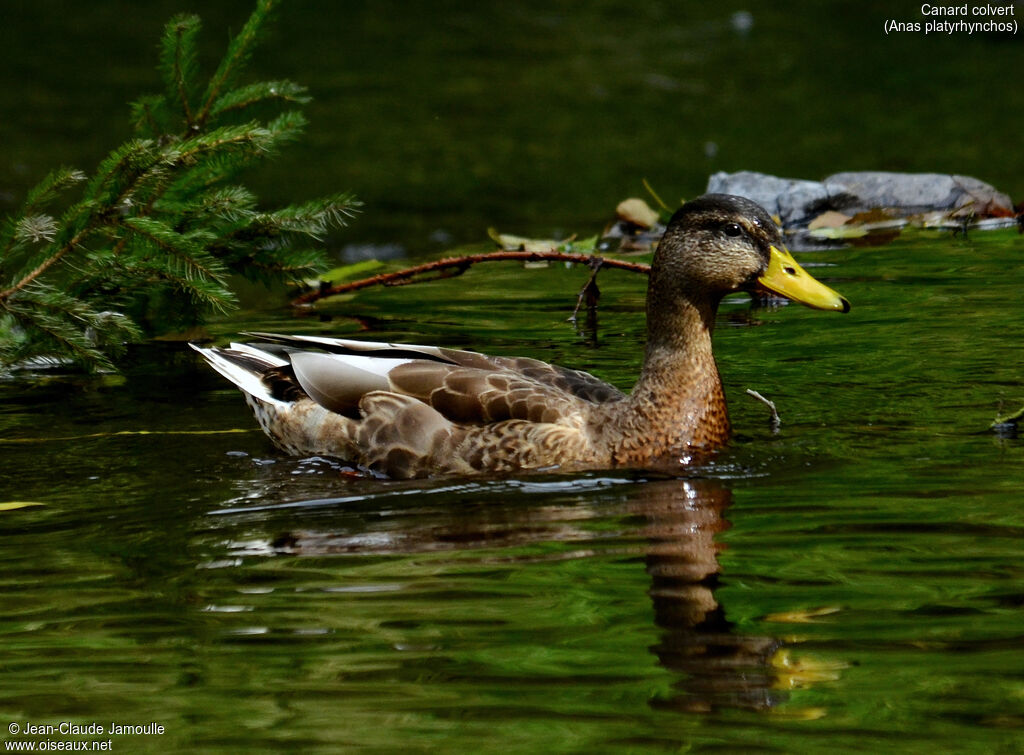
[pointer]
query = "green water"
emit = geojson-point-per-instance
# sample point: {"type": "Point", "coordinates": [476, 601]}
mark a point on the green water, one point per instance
{"type": "Point", "coordinates": [853, 583]}
{"type": "Point", "coordinates": [447, 117]}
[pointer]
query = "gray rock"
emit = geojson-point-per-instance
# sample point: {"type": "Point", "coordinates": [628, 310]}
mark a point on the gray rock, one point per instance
{"type": "Point", "coordinates": [797, 202]}
{"type": "Point", "coordinates": [915, 193]}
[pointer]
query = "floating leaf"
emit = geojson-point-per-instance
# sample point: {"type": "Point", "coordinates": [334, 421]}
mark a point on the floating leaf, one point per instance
{"type": "Point", "coordinates": [581, 246]}
{"type": "Point", "coordinates": [808, 616]}
{"type": "Point", "coordinates": [13, 505]}
{"type": "Point", "coordinates": [840, 232]}
{"type": "Point", "coordinates": [793, 673]}
{"type": "Point", "coordinates": [800, 714]}
{"type": "Point", "coordinates": [350, 272]}
{"type": "Point", "coordinates": [829, 219]}
{"type": "Point", "coordinates": [1006, 425]}
{"type": "Point", "coordinates": [520, 243]}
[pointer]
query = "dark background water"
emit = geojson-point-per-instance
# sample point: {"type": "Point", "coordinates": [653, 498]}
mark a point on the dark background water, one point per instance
{"type": "Point", "coordinates": [853, 583]}
{"type": "Point", "coordinates": [449, 117]}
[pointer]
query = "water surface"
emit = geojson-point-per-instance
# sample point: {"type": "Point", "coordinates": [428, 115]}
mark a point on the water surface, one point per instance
{"type": "Point", "coordinates": [851, 583]}
{"type": "Point", "coordinates": [536, 117]}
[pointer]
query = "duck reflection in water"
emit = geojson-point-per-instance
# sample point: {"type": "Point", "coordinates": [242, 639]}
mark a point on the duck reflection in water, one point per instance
{"type": "Point", "coordinates": [679, 521]}
{"type": "Point", "coordinates": [720, 667]}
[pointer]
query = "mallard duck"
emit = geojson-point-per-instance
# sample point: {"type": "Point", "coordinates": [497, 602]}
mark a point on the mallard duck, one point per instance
{"type": "Point", "coordinates": [414, 411]}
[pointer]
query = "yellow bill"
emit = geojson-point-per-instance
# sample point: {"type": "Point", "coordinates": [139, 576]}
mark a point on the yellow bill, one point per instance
{"type": "Point", "coordinates": [786, 278]}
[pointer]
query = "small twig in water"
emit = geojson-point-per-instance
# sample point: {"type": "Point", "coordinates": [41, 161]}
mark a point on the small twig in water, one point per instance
{"type": "Point", "coordinates": [1006, 425]}
{"type": "Point", "coordinates": [776, 422]}
{"type": "Point", "coordinates": [590, 292]}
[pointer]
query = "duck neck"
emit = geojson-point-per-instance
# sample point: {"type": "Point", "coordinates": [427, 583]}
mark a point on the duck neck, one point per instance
{"type": "Point", "coordinates": [678, 402]}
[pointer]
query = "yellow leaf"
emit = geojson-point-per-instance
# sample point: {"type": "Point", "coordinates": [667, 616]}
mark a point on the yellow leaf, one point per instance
{"type": "Point", "coordinates": [800, 714]}
{"type": "Point", "coordinates": [794, 673]}
{"type": "Point", "coordinates": [512, 243]}
{"type": "Point", "coordinates": [12, 505]}
{"type": "Point", "coordinates": [356, 270]}
{"type": "Point", "coordinates": [840, 232]}
{"type": "Point", "coordinates": [830, 219]}
{"type": "Point", "coordinates": [802, 617]}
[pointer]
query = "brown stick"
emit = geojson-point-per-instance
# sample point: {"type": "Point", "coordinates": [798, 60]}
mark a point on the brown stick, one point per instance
{"type": "Point", "coordinates": [452, 266]}
{"type": "Point", "coordinates": [589, 292]}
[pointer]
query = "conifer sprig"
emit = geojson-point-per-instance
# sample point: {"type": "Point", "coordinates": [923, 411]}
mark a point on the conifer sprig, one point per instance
{"type": "Point", "coordinates": [178, 61]}
{"type": "Point", "coordinates": [163, 221]}
{"type": "Point", "coordinates": [239, 52]}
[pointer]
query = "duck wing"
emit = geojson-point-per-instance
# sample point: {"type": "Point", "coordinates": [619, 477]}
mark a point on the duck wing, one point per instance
{"type": "Point", "coordinates": [465, 385]}
{"type": "Point", "coordinates": [465, 395]}
{"type": "Point", "coordinates": [575, 382]}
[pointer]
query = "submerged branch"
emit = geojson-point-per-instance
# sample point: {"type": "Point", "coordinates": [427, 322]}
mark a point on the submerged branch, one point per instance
{"type": "Point", "coordinates": [776, 421]}
{"type": "Point", "coordinates": [450, 267]}
{"type": "Point", "coordinates": [589, 293]}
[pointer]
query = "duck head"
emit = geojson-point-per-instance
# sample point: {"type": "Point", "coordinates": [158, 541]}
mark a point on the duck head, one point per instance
{"type": "Point", "coordinates": [719, 243]}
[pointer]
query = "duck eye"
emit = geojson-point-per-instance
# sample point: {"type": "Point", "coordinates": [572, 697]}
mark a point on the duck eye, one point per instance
{"type": "Point", "coordinates": [732, 229]}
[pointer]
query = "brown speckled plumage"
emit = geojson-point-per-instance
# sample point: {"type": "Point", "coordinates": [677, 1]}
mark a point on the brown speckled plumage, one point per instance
{"type": "Point", "coordinates": [413, 411]}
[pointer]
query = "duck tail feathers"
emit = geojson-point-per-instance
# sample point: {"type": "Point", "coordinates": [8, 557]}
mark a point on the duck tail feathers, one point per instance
{"type": "Point", "coordinates": [244, 366]}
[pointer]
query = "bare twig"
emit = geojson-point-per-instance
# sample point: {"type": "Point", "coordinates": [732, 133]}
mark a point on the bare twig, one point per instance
{"type": "Point", "coordinates": [776, 422]}
{"type": "Point", "coordinates": [590, 293]}
{"type": "Point", "coordinates": [453, 266]}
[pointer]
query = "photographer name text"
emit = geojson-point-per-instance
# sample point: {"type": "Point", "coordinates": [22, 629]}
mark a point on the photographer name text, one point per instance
{"type": "Point", "coordinates": [68, 728]}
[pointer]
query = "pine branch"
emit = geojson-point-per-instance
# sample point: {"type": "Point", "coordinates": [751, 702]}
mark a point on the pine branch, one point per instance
{"type": "Point", "coordinates": [197, 164]}
{"type": "Point", "coordinates": [150, 116]}
{"type": "Point", "coordinates": [73, 326]}
{"type": "Point", "coordinates": [313, 219]}
{"type": "Point", "coordinates": [210, 172]}
{"type": "Point", "coordinates": [234, 146]}
{"type": "Point", "coordinates": [162, 222]}
{"type": "Point", "coordinates": [249, 137]}
{"type": "Point", "coordinates": [200, 291]}
{"type": "Point", "coordinates": [238, 54]}
{"type": "Point", "coordinates": [56, 256]}
{"type": "Point", "coordinates": [60, 336]}
{"type": "Point", "coordinates": [47, 190]}
{"type": "Point", "coordinates": [287, 127]}
{"type": "Point", "coordinates": [16, 229]}
{"type": "Point", "coordinates": [227, 204]}
{"type": "Point", "coordinates": [299, 262]}
{"type": "Point", "coordinates": [183, 252]}
{"type": "Point", "coordinates": [178, 64]}
{"type": "Point", "coordinates": [244, 97]}
{"type": "Point", "coordinates": [119, 167]}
